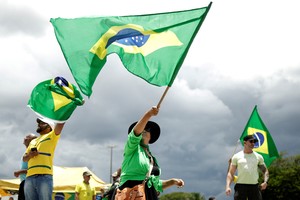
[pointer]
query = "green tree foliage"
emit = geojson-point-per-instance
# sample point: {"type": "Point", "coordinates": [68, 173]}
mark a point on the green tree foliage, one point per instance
{"type": "Point", "coordinates": [182, 196]}
{"type": "Point", "coordinates": [284, 180]}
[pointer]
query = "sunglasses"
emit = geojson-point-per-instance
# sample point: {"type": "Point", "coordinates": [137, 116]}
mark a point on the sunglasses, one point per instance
{"type": "Point", "coordinates": [252, 141]}
{"type": "Point", "coordinates": [39, 121]}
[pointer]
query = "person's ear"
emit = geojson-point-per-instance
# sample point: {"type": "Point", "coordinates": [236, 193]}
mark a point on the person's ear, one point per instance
{"type": "Point", "coordinates": [48, 126]}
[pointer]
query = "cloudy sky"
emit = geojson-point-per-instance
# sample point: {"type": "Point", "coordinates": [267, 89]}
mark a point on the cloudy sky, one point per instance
{"type": "Point", "coordinates": [245, 54]}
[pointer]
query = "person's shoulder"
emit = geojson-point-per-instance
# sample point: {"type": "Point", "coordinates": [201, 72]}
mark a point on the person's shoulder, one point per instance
{"type": "Point", "coordinates": [257, 154]}
{"type": "Point", "coordinates": [238, 154]}
{"type": "Point", "coordinates": [79, 184]}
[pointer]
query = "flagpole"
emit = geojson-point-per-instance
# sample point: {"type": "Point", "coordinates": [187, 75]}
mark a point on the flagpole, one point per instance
{"type": "Point", "coordinates": [162, 97]}
{"type": "Point", "coordinates": [235, 147]}
{"type": "Point", "coordinates": [229, 161]}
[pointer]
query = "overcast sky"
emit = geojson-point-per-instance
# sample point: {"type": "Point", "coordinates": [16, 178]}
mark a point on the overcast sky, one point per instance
{"type": "Point", "coordinates": [245, 54]}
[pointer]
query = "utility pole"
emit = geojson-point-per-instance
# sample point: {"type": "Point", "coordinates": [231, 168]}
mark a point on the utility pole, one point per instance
{"type": "Point", "coordinates": [111, 158]}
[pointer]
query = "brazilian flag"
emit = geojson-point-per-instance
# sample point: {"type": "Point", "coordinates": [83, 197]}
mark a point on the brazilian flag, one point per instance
{"type": "Point", "coordinates": [55, 99]}
{"type": "Point", "coordinates": [151, 46]}
{"type": "Point", "coordinates": [265, 145]}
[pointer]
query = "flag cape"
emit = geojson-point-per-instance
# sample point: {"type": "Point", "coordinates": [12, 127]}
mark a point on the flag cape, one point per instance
{"type": "Point", "coordinates": [265, 145]}
{"type": "Point", "coordinates": [152, 46]}
{"type": "Point", "coordinates": [55, 99]}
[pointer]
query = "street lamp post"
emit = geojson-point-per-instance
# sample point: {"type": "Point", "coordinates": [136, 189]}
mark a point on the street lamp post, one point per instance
{"type": "Point", "coordinates": [111, 158]}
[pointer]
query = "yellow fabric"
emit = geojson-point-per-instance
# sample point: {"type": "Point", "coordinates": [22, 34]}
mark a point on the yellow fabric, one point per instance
{"type": "Point", "coordinates": [86, 191]}
{"type": "Point", "coordinates": [4, 193]}
{"type": "Point", "coordinates": [64, 180]}
{"type": "Point", "coordinates": [42, 163]}
{"type": "Point", "coordinates": [235, 179]}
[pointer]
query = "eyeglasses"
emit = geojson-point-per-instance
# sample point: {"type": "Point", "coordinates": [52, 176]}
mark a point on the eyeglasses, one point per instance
{"type": "Point", "coordinates": [40, 121]}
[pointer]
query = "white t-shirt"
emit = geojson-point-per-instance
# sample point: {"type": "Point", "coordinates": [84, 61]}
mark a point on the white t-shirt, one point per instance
{"type": "Point", "coordinates": [247, 166]}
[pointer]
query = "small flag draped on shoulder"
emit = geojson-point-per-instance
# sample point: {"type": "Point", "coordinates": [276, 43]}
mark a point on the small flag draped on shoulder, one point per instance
{"type": "Point", "coordinates": [151, 46]}
{"type": "Point", "coordinates": [55, 99]}
{"type": "Point", "coordinates": [265, 145]}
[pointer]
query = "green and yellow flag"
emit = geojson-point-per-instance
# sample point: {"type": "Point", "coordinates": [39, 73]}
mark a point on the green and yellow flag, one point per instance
{"type": "Point", "coordinates": [265, 145]}
{"type": "Point", "coordinates": [152, 47]}
{"type": "Point", "coordinates": [55, 99]}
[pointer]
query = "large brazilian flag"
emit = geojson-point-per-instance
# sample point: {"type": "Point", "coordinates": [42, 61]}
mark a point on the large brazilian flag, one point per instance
{"type": "Point", "coordinates": [265, 145]}
{"type": "Point", "coordinates": [151, 46]}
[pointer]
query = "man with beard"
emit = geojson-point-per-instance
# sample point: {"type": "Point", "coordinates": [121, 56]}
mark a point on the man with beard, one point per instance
{"type": "Point", "coordinates": [39, 155]}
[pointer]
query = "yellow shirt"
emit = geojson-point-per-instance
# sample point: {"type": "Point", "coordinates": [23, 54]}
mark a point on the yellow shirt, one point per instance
{"type": "Point", "coordinates": [43, 162]}
{"type": "Point", "coordinates": [86, 191]}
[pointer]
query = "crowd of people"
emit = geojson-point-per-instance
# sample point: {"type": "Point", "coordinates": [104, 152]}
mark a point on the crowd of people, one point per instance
{"type": "Point", "coordinates": [139, 166]}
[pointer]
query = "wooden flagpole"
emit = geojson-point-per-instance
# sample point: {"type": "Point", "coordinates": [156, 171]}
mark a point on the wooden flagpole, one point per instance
{"type": "Point", "coordinates": [235, 147]}
{"type": "Point", "coordinates": [162, 97]}
{"type": "Point", "coordinates": [229, 161]}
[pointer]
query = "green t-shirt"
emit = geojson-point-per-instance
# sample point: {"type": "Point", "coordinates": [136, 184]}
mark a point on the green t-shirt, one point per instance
{"type": "Point", "coordinates": [136, 163]}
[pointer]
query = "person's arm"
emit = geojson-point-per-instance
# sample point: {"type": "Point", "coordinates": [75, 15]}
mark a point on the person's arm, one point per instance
{"type": "Point", "coordinates": [141, 124]}
{"type": "Point", "coordinates": [76, 196]}
{"type": "Point", "coordinates": [230, 178]}
{"type": "Point", "coordinates": [265, 172]}
{"type": "Point", "coordinates": [29, 155]}
{"type": "Point", "coordinates": [22, 171]}
{"type": "Point", "coordinates": [58, 128]}
{"type": "Point", "coordinates": [174, 181]}
{"type": "Point", "coordinates": [109, 192]}
{"type": "Point", "coordinates": [94, 194]}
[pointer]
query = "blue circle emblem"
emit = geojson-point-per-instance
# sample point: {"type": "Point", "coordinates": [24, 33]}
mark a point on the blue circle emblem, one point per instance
{"type": "Point", "coordinates": [261, 139]}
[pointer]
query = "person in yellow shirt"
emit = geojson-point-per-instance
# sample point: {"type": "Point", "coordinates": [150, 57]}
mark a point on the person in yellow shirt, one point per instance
{"type": "Point", "coordinates": [39, 155]}
{"type": "Point", "coordinates": [84, 191]}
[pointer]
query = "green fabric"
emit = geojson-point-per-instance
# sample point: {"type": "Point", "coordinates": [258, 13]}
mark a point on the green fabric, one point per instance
{"type": "Point", "coordinates": [265, 146]}
{"type": "Point", "coordinates": [136, 163]}
{"type": "Point", "coordinates": [50, 100]}
{"type": "Point", "coordinates": [152, 47]}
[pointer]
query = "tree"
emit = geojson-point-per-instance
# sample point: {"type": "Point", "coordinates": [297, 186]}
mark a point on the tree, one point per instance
{"type": "Point", "coordinates": [284, 180]}
{"type": "Point", "coordinates": [182, 196]}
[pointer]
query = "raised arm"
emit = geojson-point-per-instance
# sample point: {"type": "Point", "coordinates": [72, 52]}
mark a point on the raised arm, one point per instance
{"type": "Point", "coordinates": [141, 124]}
{"type": "Point", "coordinates": [58, 128]}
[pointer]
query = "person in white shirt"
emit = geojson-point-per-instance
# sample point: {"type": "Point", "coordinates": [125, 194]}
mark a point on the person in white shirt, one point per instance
{"type": "Point", "coordinates": [247, 162]}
